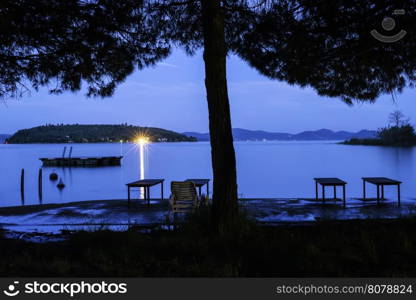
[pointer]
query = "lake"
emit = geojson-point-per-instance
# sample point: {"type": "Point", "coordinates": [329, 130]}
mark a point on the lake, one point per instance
{"type": "Point", "coordinates": [265, 169]}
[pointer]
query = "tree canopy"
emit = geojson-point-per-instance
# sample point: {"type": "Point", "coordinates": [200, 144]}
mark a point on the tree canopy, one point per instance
{"type": "Point", "coordinates": [328, 46]}
{"type": "Point", "coordinates": [61, 44]}
{"type": "Point", "coordinates": [323, 44]}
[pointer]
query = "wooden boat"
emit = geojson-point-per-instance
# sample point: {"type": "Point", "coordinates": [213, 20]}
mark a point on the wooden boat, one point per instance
{"type": "Point", "coordinates": [100, 161]}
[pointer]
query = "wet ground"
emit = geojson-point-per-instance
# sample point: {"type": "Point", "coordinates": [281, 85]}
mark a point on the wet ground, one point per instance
{"type": "Point", "coordinates": [30, 222]}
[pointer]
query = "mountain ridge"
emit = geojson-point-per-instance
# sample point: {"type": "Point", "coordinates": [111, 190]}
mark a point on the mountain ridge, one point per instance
{"type": "Point", "coordinates": [241, 134]}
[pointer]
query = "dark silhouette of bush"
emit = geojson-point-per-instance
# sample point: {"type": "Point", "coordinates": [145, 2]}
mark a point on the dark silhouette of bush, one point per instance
{"type": "Point", "coordinates": [399, 132]}
{"type": "Point", "coordinates": [398, 135]}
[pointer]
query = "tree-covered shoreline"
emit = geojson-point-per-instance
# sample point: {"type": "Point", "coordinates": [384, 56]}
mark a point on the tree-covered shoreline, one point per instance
{"type": "Point", "coordinates": [77, 133]}
{"type": "Point", "coordinates": [398, 133]}
{"type": "Point", "coordinates": [378, 142]}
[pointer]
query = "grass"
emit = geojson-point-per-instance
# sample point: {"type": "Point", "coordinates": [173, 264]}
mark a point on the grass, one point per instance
{"type": "Point", "coordinates": [366, 248]}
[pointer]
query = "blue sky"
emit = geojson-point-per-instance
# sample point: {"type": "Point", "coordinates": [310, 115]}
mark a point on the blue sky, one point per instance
{"type": "Point", "coordinates": [172, 96]}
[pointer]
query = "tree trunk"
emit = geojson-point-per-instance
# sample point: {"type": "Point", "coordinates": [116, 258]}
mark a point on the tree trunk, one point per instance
{"type": "Point", "coordinates": [222, 149]}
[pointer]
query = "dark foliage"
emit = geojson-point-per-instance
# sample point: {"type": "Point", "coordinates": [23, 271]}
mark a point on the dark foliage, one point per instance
{"type": "Point", "coordinates": [367, 248]}
{"type": "Point", "coordinates": [398, 135]}
{"type": "Point", "coordinates": [389, 136]}
{"type": "Point", "coordinates": [93, 134]}
{"type": "Point", "coordinates": [64, 43]}
{"type": "Point", "coordinates": [324, 44]}
{"type": "Point", "coordinates": [327, 45]}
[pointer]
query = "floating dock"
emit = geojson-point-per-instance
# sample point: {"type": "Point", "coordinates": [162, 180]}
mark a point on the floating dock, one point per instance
{"type": "Point", "coordinates": [101, 161]}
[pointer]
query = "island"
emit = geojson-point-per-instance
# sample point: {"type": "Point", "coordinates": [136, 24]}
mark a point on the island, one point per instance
{"type": "Point", "coordinates": [77, 133]}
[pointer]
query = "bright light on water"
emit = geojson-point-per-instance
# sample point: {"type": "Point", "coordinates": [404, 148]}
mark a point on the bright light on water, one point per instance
{"type": "Point", "coordinates": [141, 147]}
{"type": "Point", "coordinates": [142, 142]}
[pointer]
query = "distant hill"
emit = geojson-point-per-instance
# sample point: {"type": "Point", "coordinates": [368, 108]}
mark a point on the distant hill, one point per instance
{"type": "Point", "coordinates": [199, 136]}
{"type": "Point", "coordinates": [3, 137]}
{"type": "Point", "coordinates": [326, 134]}
{"type": "Point", "coordinates": [244, 135]}
{"type": "Point", "coordinates": [93, 134]}
{"type": "Point", "coordinates": [259, 135]}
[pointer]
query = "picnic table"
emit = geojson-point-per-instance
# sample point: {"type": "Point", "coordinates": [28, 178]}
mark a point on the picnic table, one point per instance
{"type": "Point", "coordinates": [146, 184]}
{"type": "Point", "coordinates": [334, 182]}
{"type": "Point", "coordinates": [199, 183]}
{"type": "Point", "coordinates": [381, 182]}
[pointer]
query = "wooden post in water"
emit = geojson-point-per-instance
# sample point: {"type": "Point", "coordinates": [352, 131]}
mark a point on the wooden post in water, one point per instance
{"type": "Point", "coordinates": [69, 156]}
{"type": "Point", "coordinates": [22, 185]}
{"type": "Point", "coordinates": [40, 186]}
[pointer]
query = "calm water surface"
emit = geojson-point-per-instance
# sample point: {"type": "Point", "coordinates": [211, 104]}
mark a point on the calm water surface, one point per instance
{"type": "Point", "coordinates": [265, 169]}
